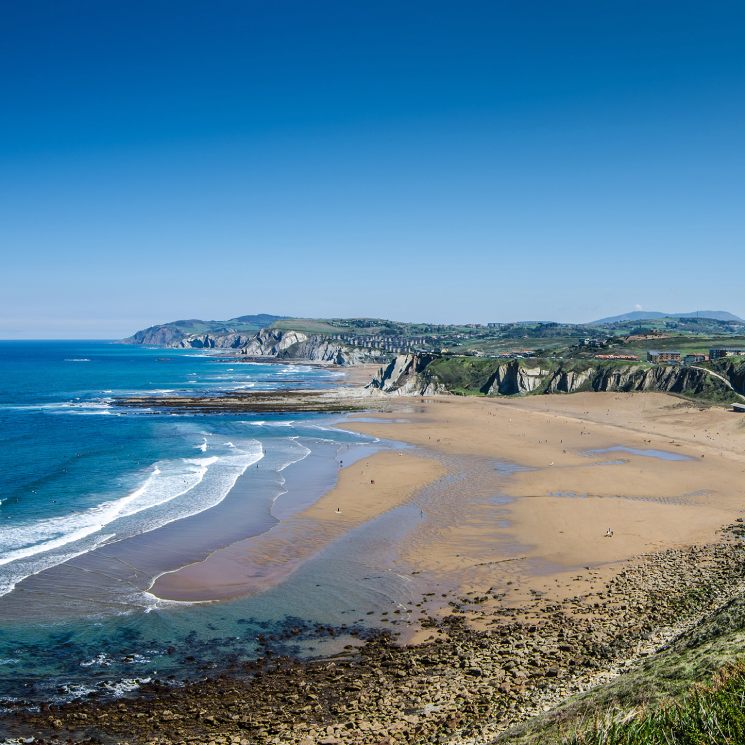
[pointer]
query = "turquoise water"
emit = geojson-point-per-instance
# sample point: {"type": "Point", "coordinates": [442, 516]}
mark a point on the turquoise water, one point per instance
{"type": "Point", "coordinates": [95, 501]}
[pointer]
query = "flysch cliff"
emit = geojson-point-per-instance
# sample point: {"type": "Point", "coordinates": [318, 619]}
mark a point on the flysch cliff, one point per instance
{"type": "Point", "coordinates": [265, 344]}
{"type": "Point", "coordinates": [404, 376]}
{"type": "Point", "coordinates": [295, 345]}
{"type": "Point", "coordinates": [194, 332]}
{"type": "Point", "coordinates": [427, 375]}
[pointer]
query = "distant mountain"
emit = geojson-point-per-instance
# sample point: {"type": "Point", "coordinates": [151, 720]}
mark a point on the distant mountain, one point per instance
{"type": "Point", "coordinates": [650, 315]}
{"type": "Point", "coordinates": [169, 334]}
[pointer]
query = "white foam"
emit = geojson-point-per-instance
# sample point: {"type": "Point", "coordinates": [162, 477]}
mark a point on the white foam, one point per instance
{"type": "Point", "coordinates": [23, 569]}
{"type": "Point", "coordinates": [28, 539]}
{"type": "Point", "coordinates": [263, 423]}
{"type": "Point", "coordinates": [304, 453]}
{"type": "Point", "coordinates": [34, 547]}
{"type": "Point", "coordinates": [100, 407]}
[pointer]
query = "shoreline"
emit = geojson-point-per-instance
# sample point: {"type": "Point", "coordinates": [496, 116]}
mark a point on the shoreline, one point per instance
{"type": "Point", "coordinates": [532, 601]}
{"type": "Point", "coordinates": [249, 566]}
{"type": "Point", "coordinates": [466, 687]}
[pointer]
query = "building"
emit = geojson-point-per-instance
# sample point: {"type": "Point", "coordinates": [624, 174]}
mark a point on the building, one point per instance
{"type": "Point", "coordinates": [666, 357]}
{"type": "Point", "coordinates": [721, 352]}
{"type": "Point", "coordinates": [695, 359]}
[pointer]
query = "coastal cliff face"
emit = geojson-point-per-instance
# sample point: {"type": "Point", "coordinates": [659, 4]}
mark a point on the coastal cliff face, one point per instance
{"type": "Point", "coordinates": [212, 341]}
{"type": "Point", "coordinates": [425, 375]}
{"type": "Point", "coordinates": [165, 335]}
{"type": "Point", "coordinates": [405, 376]}
{"type": "Point", "coordinates": [271, 342]}
{"type": "Point", "coordinates": [294, 345]}
{"type": "Point", "coordinates": [511, 378]}
{"type": "Point", "coordinates": [632, 378]}
{"type": "Point", "coordinates": [267, 344]}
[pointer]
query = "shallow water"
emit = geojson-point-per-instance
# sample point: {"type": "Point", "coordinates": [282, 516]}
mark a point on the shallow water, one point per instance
{"type": "Point", "coordinates": [645, 453]}
{"type": "Point", "coordinates": [96, 501]}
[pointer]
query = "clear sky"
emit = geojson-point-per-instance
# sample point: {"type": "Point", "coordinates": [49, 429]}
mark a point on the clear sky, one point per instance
{"type": "Point", "coordinates": [464, 161]}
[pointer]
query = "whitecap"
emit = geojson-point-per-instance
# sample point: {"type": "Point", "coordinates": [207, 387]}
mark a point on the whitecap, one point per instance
{"type": "Point", "coordinates": [33, 547]}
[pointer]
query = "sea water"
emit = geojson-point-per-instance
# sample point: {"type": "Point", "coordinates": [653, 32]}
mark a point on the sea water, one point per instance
{"type": "Point", "coordinates": [96, 499]}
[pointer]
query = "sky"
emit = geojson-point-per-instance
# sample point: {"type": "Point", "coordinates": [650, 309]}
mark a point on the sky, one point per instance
{"type": "Point", "coordinates": [420, 161]}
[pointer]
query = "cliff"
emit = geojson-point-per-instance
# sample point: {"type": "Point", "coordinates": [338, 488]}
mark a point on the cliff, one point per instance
{"type": "Point", "coordinates": [212, 341]}
{"type": "Point", "coordinates": [294, 345]}
{"type": "Point", "coordinates": [406, 376]}
{"type": "Point", "coordinates": [265, 343]}
{"type": "Point", "coordinates": [194, 332]}
{"type": "Point", "coordinates": [425, 374]}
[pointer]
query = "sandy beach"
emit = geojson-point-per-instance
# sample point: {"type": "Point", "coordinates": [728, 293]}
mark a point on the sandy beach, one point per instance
{"type": "Point", "coordinates": [655, 471]}
{"type": "Point", "coordinates": [519, 600]}
{"type": "Point", "coordinates": [364, 490]}
{"type": "Point", "coordinates": [555, 513]}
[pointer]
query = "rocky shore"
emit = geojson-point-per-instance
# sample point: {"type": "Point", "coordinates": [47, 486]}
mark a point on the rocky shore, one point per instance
{"type": "Point", "coordinates": [267, 402]}
{"type": "Point", "coordinates": [486, 668]}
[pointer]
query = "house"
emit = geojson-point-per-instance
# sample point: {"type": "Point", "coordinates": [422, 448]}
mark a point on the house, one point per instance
{"type": "Point", "coordinates": [721, 352]}
{"type": "Point", "coordinates": [616, 357]}
{"type": "Point", "coordinates": [663, 357]}
{"type": "Point", "coordinates": [695, 359]}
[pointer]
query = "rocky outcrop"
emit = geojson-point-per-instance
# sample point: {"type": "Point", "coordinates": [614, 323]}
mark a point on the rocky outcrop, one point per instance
{"type": "Point", "coordinates": [405, 376]}
{"type": "Point", "coordinates": [163, 335]}
{"type": "Point", "coordinates": [272, 342]}
{"type": "Point", "coordinates": [268, 343]}
{"type": "Point", "coordinates": [628, 378]}
{"type": "Point", "coordinates": [293, 345]}
{"type": "Point", "coordinates": [199, 334]}
{"type": "Point", "coordinates": [511, 379]}
{"type": "Point", "coordinates": [733, 369]}
{"type": "Point", "coordinates": [416, 375]}
{"type": "Point", "coordinates": [212, 341]}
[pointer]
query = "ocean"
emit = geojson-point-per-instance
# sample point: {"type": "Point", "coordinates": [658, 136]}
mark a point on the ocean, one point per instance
{"type": "Point", "coordinates": [95, 501]}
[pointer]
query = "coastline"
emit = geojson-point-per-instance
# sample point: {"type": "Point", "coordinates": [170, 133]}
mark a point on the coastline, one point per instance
{"type": "Point", "coordinates": [510, 561]}
{"type": "Point", "coordinates": [563, 498]}
{"type": "Point", "coordinates": [364, 490]}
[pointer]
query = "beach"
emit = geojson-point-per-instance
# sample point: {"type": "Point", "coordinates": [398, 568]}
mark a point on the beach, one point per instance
{"type": "Point", "coordinates": [656, 471]}
{"type": "Point", "coordinates": [547, 544]}
{"type": "Point", "coordinates": [561, 506]}
{"type": "Point", "coordinates": [364, 490]}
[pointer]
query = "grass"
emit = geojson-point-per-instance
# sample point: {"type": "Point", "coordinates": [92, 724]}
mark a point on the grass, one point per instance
{"type": "Point", "coordinates": [691, 692]}
{"type": "Point", "coordinates": [708, 714]}
{"type": "Point", "coordinates": [463, 375]}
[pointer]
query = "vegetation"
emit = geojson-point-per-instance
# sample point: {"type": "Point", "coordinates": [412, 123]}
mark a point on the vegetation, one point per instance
{"type": "Point", "coordinates": [692, 692]}
{"type": "Point", "coordinates": [557, 340]}
{"type": "Point", "coordinates": [464, 375]}
{"type": "Point", "coordinates": [713, 713]}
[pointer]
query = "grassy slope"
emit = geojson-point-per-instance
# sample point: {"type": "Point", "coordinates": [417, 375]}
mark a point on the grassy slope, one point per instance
{"type": "Point", "coordinates": [664, 700]}
{"type": "Point", "coordinates": [713, 713]}
{"type": "Point", "coordinates": [464, 375]}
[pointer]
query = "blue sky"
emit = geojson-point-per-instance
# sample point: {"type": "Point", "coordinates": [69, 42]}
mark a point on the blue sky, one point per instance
{"type": "Point", "coordinates": [473, 161]}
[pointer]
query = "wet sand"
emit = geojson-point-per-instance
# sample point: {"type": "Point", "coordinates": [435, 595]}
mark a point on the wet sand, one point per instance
{"type": "Point", "coordinates": [539, 523]}
{"type": "Point", "coordinates": [554, 515]}
{"type": "Point", "coordinates": [534, 603]}
{"type": "Point", "coordinates": [364, 490]}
